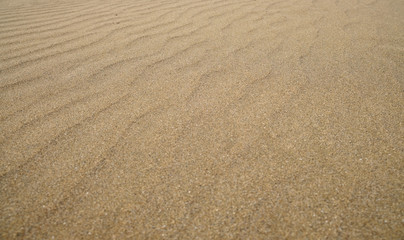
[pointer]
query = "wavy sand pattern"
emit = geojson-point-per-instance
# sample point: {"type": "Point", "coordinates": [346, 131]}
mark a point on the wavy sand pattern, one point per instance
{"type": "Point", "coordinates": [260, 119]}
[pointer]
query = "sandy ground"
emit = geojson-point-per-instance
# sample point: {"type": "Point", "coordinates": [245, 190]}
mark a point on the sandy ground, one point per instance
{"type": "Point", "coordinates": [194, 119]}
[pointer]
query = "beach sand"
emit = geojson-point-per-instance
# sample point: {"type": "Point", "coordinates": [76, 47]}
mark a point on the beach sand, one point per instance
{"type": "Point", "coordinates": [202, 119]}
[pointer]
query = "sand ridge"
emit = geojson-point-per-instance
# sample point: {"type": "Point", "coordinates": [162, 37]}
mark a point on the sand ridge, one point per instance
{"type": "Point", "coordinates": [201, 119]}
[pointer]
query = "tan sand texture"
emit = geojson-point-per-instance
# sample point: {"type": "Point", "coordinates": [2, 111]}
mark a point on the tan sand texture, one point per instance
{"type": "Point", "coordinates": [202, 119]}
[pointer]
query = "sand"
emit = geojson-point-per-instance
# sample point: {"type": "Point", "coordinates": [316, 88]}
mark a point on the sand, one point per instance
{"type": "Point", "coordinates": [202, 119]}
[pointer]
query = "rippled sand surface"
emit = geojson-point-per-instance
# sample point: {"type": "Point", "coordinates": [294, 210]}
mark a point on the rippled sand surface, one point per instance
{"type": "Point", "coordinates": [209, 119]}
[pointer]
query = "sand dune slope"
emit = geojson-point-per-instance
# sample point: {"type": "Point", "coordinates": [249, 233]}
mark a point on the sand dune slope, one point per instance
{"type": "Point", "coordinates": [210, 119]}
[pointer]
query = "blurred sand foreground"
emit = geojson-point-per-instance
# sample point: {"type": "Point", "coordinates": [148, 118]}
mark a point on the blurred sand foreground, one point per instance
{"type": "Point", "coordinates": [202, 119]}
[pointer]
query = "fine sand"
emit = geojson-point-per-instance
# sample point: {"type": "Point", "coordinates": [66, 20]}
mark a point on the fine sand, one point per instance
{"type": "Point", "coordinates": [202, 119]}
